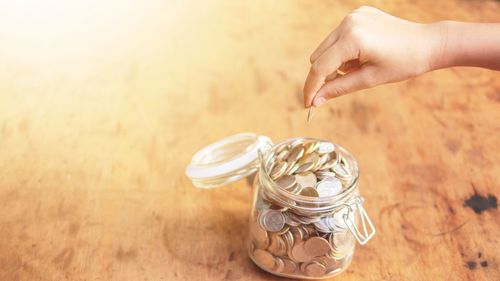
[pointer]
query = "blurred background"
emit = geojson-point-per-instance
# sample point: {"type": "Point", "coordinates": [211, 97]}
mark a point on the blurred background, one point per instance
{"type": "Point", "coordinates": [103, 103]}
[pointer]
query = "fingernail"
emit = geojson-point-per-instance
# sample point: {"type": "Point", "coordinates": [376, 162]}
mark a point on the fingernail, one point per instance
{"type": "Point", "coordinates": [319, 101]}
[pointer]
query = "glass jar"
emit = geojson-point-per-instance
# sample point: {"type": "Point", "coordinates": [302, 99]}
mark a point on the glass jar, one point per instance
{"type": "Point", "coordinates": [306, 215]}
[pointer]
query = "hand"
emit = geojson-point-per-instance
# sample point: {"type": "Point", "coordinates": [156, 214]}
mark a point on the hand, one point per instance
{"type": "Point", "coordinates": [370, 47]}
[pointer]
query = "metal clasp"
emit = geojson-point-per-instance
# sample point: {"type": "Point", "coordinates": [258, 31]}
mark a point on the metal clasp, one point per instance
{"type": "Point", "coordinates": [367, 234]}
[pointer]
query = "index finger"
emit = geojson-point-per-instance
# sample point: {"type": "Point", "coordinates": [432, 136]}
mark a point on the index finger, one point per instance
{"type": "Point", "coordinates": [329, 40]}
{"type": "Point", "coordinates": [324, 66]}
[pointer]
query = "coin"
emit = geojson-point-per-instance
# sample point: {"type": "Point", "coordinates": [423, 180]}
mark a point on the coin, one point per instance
{"type": "Point", "coordinates": [309, 114]}
{"type": "Point", "coordinates": [311, 147]}
{"type": "Point", "coordinates": [279, 264]}
{"type": "Point", "coordinates": [296, 153]}
{"type": "Point", "coordinates": [283, 230]}
{"type": "Point", "coordinates": [277, 246]}
{"type": "Point", "coordinates": [333, 160]}
{"type": "Point", "coordinates": [329, 187]}
{"type": "Point", "coordinates": [289, 240]}
{"type": "Point", "coordinates": [278, 170]}
{"type": "Point", "coordinates": [264, 259]}
{"type": "Point", "coordinates": [321, 161]}
{"type": "Point", "coordinates": [315, 269]}
{"type": "Point", "coordinates": [260, 235]}
{"type": "Point", "coordinates": [309, 191]}
{"type": "Point", "coordinates": [312, 158]}
{"type": "Point", "coordinates": [316, 246]}
{"type": "Point", "coordinates": [295, 189]}
{"type": "Point", "coordinates": [281, 148]}
{"type": "Point", "coordinates": [299, 254]}
{"type": "Point", "coordinates": [322, 225]}
{"type": "Point", "coordinates": [273, 220]}
{"type": "Point", "coordinates": [342, 241]}
{"type": "Point", "coordinates": [290, 220]}
{"type": "Point", "coordinates": [282, 155]}
{"type": "Point", "coordinates": [304, 167]}
{"type": "Point", "coordinates": [299, 237]}
{"type": "Point", "coordinates": [325, 147]}
{"type": "Point", "coordinates": [286, 182]}
{"type": "Point", "coordinates": [321, 175]}
{"type": "Point", "coordinates": [306, 180]}
{"type": "Point", "coordinates": [292, 167]}
{"type": "Point", "coordinates": [290, 266]}
{"type": "Point", "coordinates": [328, 262]}
{"type": "Point", "coordinates": [341, 171]}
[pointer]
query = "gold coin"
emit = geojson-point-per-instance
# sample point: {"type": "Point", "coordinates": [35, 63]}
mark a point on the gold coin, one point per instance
{"type": "Point", "coordinates": [281, 156]}
{"type": "Point", "coordinates": [292, 167]}
{"type": "Point", "coordinates": [312, 158]}
{"type": "Point", "coordinates": [281, 148]}
{"type": "Point", "coordinates": [304, 167]}
{"type": "Point", "coordinates": [311, 147]}
{"type": "Point", "coordinates": [309, 191]}
{"type": "Point", "coordinates": [286, 182]}
{"type": "Point", "coordinates": [316, 246]}
{"type": "Point", "coordinates": [333, 160]}
{"type": "Point", "coordinates": [306, 179]}
{"type": "Point", "coordinates": [295, 154]}
{"type": "Point", "coordinates": [264, 259]}
{"type": "Point", "coordinates": [315, 269]}
{"type": "Point", "coordinates": [278, 170]}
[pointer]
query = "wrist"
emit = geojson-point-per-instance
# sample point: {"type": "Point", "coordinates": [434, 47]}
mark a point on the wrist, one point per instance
{"type": "Point", "coordinates": [441, 38]}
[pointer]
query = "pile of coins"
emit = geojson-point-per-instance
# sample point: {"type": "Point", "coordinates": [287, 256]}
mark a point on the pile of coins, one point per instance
{"type": "Point", "coordinates": [314, 169]}
{"type": "Point", "coordinates": [289, 239]}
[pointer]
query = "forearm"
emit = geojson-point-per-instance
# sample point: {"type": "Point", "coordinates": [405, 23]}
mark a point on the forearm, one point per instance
{"type": "Point", "coordinates": [467, 44]}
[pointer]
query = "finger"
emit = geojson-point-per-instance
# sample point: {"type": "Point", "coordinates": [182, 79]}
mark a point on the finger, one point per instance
{"type": "Point", "coordinates": [350, 66]}
{"type": "Point", "coordinates": [327, 43]}
{"type": "Point", "coordinates": [324, 66]}
{"type": "Point", "coordinates": [353, 81]}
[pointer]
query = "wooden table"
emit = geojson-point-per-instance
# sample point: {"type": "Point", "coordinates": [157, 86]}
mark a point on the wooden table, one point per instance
{"type": "Point", "coordinates": [103, 104]}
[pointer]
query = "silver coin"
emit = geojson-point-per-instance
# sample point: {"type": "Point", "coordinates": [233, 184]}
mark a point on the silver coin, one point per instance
{"type": "Point", "coordinates": [329, 187]}
{"type": "Point", "coordinates": [325, 147]}
{"type": "Point", "coordinates": [341, 171]}
{"type": "Point", "coordinates": [273, 220]}
{"type": "Point", "coordinates": [324, 174]}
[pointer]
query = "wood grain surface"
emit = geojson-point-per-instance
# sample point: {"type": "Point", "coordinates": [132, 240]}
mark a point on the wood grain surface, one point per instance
{"type": "Point", "coordinates": [102, 105]}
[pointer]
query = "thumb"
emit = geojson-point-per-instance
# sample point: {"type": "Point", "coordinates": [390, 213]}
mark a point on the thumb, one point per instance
{"type": "Point", "coordinates": [341, 85]}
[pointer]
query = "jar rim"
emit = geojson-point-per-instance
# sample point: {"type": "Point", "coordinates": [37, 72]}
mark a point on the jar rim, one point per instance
{"type": "Point", "coordinates": [347, 192]}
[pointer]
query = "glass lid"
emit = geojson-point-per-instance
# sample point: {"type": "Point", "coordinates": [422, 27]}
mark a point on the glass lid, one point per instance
{"type": "Point", "coordinates": [227, 160]}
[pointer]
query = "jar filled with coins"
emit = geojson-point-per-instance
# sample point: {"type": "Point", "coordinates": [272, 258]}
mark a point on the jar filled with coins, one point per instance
{"type": "Point", "coordinates": [307, 214]}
